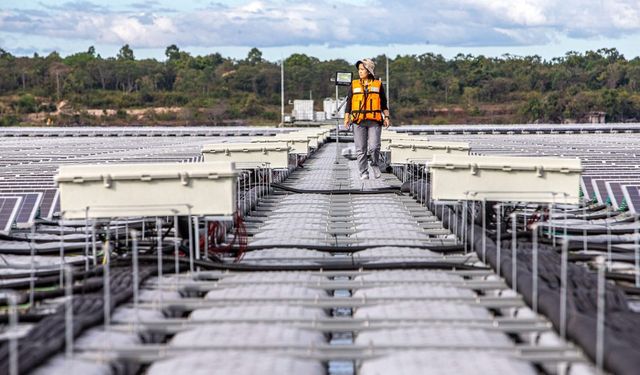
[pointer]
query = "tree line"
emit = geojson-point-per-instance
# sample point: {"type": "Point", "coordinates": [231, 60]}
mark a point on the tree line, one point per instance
{"type": "Point", "coordinates": [426, 88]}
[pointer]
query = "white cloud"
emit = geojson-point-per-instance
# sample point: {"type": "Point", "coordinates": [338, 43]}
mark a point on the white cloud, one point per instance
{"type": "Point", "coordinates": [269, 23]}
{"type": "Point", "coordinates": [517, 12]}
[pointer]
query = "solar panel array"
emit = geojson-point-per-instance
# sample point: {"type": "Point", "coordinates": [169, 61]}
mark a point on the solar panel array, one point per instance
{"type": "Point", "coordinates": [29, 158]}
{"type": "Point", "coordinates": [27, 167]}
{"type": "Point", "coordinates": [28, 164]}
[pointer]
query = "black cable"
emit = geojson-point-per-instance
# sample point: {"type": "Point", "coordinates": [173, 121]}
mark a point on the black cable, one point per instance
{"type": "Point", "coordinates": [24, 318]}
{"type": "Point", "coordinates": [27, 273]}
{"type": "Point", "coordinates": [577, 245]}
{"type": "Point", "coordinates": [394, 190]}
{"type": "Point", "coordinates": [47, 337]}
{"type": "Point", "coordinates": [358, 248]}
{"type": "Point", "coordinates": [348, 265]}
{"type": "Point", "coordinates": [621, 337]}
{"type": "Point", "coordinates": [46, 281]}
{"type": "Point", "coordinates": [90, 285]}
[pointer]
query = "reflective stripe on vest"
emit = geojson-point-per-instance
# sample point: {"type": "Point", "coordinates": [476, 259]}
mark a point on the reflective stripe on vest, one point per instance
{"type": "Point", "coordinates": [365, 101]}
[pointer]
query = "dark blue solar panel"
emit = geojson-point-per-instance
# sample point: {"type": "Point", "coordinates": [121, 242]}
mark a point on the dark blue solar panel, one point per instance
{"type": "Point", "coordinates": [49, 198]}
{"type": "Point", "coordinates": [632, 197]}
{"type": "Point", "coordinates": [589, 189]}
{"type": "Point", "coordinates": [9, 207]}
{"type": "Point", "coordinates": [599, 184]}
{"type": "Point", "coordinates": [615, 193]}
{"type": "Point", "coordinates": [28, 208]}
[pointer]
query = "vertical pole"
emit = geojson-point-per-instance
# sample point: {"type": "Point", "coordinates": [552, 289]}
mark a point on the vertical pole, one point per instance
{"type": "Point", "coordinates": [387, 88]}
{"type": "Point", "coordinates": [534, 268]}
{"type": "Point", "coordinates": [159, 255]}
{"type": "Point", "coordinates": [134, 259]}
{"type": "Point", "coordinates": [484, 230]}
{"type": "Point", "coordinates": [282, 91]}
{"type": "Point", "coordinates": [473, 226]}
{"type": "Point", "coordinates": [13, 328]}
{"type": "Point", "coordinates": [68, 316]}
{"type": "Point", "coordinates": [563, 289]}
{"type": "Point", "coordinates": [196, 231]}
{"type": "Point", "coordinates": [94, 248]}
{"type": "Point", "coordinates": [464, 224]}
{"type": "Point", "coordinates": [207, 246]}
{"type": "Point", "coordinates": [176, 245]}
{"type": "Point", "coordinates": [191, 266]}
{"type": "Point", "coordinates": [609, 251]}
{"type": "Point", "coordinates": [498, 240]}
{"type": "Point", "coordinates": [250, 191]}
{"type": "Point", "coordinates": [62, 261]}
{"type": "Point", "coordinates": [514, 253]}
{"type": "Point", "coordinates": [600, 317]}
{"type": "Point", "coordinates": [244, 195]}
{"type": "Point", "coordinates": [636, 250]}
{"type": "Point", "coordinates": [86, 240]}
{"type": "Point", "coordinates": [32, 279]}
{"type": "Point", "coordinates": [584, 232]}
{"type": "Point", "coordinates": [106, 275]}
{"type": "Point", "coordinates": [552, 222]}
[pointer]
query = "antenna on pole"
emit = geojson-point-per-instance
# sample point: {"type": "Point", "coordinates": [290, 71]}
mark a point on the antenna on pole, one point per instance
{"type": "Point", "coordinates": [281, 91]}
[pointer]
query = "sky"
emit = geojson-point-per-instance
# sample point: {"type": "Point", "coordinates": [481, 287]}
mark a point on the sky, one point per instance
{"type": "Point", "coordinates": [327, 29]}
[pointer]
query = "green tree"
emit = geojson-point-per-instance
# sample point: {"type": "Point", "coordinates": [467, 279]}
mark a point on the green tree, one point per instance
{"type": "Point", "coordinates": [254, 56]}
{"type": "Point", "coordinates": [172, 52]}
{"type": "Point", "coordinates": [126, 53]}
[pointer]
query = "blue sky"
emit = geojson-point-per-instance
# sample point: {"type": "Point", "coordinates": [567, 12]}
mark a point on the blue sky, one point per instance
{"type": "Point", "coordinates": [323, 28]}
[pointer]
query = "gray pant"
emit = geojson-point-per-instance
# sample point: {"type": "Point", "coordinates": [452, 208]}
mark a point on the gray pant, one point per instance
{"type": "Point", "coordinates": [367, 139]}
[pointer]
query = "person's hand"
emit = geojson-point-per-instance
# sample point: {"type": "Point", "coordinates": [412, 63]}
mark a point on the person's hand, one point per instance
{"type": "Point", "coordinates": [386, 122]}
{"type": "Point", "coordinates": [346, 124]}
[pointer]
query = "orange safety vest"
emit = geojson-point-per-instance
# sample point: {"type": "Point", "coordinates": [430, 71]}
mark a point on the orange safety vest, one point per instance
{"type": "Point", "coordinates": [365, 101]}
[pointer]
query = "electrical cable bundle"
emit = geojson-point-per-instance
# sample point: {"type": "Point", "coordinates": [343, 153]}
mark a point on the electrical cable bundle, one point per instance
{"type": "Point", "coordinates": [47, 337]}
{"type": "Point", "coordinates": [238, 244]}
{"type": "Point", "coordinates": [622, 326]}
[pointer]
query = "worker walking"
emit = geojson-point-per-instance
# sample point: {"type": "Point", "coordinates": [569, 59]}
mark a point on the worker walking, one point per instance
{"type": "Point", "coordinates": [367, 110]}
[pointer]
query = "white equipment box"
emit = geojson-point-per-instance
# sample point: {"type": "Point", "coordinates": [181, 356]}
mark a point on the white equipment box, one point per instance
{"type": "Point", "coordinates": [388, 137]}
{"type": "Point", "coordinates": [275, 154]}
{"type": "Point", "coordinates": [154, 189]}
{"type": "Point", "coordinates": [505, 179]}
{"type": "Point", "coordinates": [303, 110]}
{"type": "Point", "coordinates": [298, 144]}
{"type": "Point", "coordinates": [313, 138]}
{"type": "Point", "coordinates": [404, 151]}
{"type": "Point", "coordinates": [322, 134]}
{"type": "Point", "coordinates": [317, 137]}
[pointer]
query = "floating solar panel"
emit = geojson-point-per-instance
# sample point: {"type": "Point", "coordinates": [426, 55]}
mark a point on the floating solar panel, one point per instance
{"type": "Point", "coordinates": [28, 208]}
{"type": "Point", "coordinates": [9, 207]}
{"type": "Point", "coordinates": [50, 198]}
{"type": "Point", "coordinates": [588, 188]}
{"type": "Point", "coordinates": [632, 197]}
{"type": "Point", "coordinates": [599, 185]}
{"type": "Point", "coordinates": [615, 193]}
